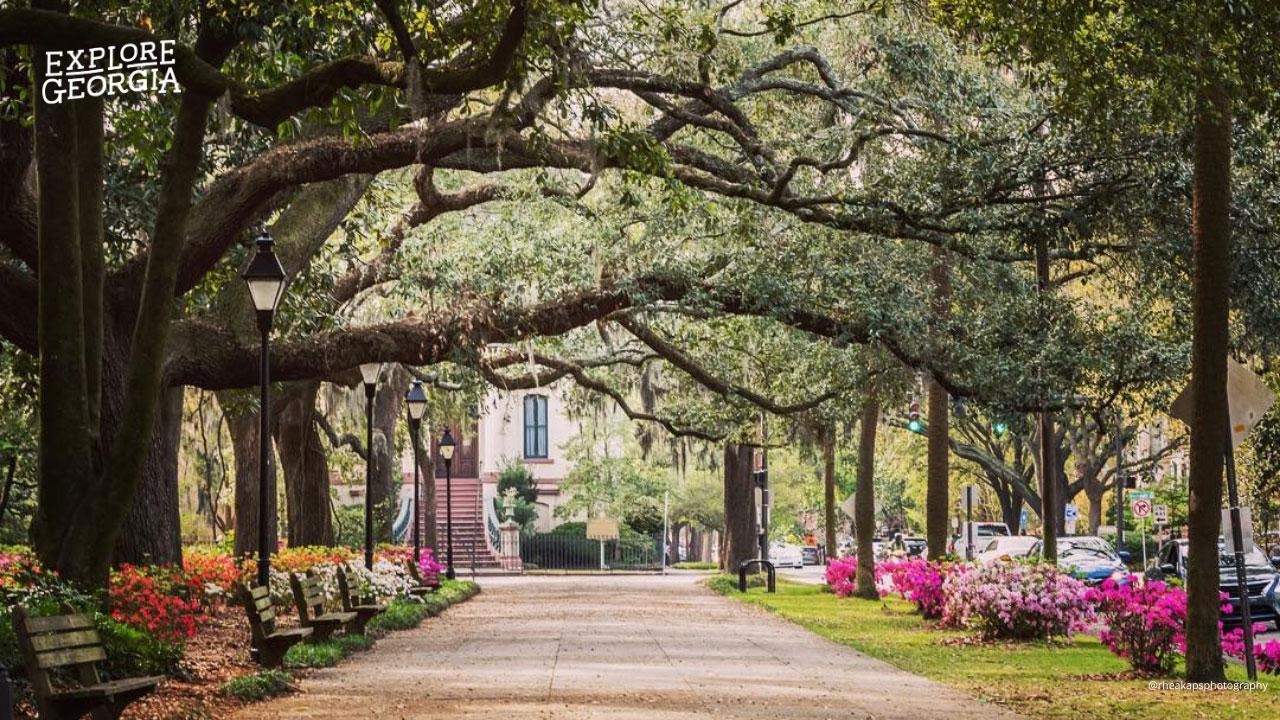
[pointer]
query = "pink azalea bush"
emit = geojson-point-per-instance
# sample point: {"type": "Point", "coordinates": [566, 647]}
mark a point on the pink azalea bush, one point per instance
{"type": "Point", "coordinates": [917, 580]}
{"type": "Point", "coordinates": [1018, 601]}
{"type": "Point", "coordinates": [429, 567]}
{"type": "Point", "coordinates": [1144, 624]}
{"type": "Point", "coordinates": [840, 575]}
{"type": "Point", "coordinates": [1268, 655]}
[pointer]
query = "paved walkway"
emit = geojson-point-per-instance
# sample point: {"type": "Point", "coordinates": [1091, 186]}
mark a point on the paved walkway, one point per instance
{"type": "Point", "coordinates": [626, 647]}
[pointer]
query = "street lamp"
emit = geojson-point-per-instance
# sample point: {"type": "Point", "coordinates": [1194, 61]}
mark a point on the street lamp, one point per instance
{"type": "Point", "coordinates": [446, 453]}
{"type": "Point", "coordinates": [416, 401]}
{"type": "Point", "coordinates": [266, 280]}
{"type": "Point", "coordinates": [370, 372]}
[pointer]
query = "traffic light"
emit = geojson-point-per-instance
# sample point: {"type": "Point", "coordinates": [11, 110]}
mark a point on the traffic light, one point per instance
{"type": "Point", "coordinates": [914, 423]}
{"type": "Point", "coordinates": [1131, 481]}
{"type": "Point", "coordinates": [999, 427]}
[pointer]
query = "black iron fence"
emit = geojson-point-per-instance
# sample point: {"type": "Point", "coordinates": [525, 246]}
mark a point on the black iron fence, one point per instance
{"type": "Point", "coordinates": [552, 551]}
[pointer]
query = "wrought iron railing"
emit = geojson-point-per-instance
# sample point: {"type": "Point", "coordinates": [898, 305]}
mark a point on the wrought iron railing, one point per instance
{"type": "Point", "coordinates": [554, 551]}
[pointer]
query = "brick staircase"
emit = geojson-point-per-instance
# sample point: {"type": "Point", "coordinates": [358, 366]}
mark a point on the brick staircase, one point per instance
{"type": "Point", "coordinates": [468, 525]}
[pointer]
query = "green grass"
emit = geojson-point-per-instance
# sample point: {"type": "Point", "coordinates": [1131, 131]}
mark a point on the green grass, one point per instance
{"type": "Point", "coordinates": [1039, 680]}
{"type": "Point", "coordinates": [314, 655]}
{"type": "Point", "coordinates": [353, 643]}
{"type": "Point", "coordinates": [400, 615]}
{"type": "Point", "coordinates": [695, 566]}
{"type": "Point", "coordinates": [259, 686]}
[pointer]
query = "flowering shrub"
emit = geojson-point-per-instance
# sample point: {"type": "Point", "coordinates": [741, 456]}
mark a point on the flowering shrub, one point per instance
{"type": "Point", "coordinates": [161, 599]}
{"type": "Point", "coordinates": [1020, 601]}
{"type": "Point", "coordinates": [917, 580]}
{"type": "Point", "coordinates": [429, 568]}
{"type": "Point", "coordinates": [1145, 624]}
{"type": "Point", "coordinates": [840, 575]}
{"type": "Point", "coordinates": [302, 559]}
{"type": "Point", "coordinates": [1268, 655]}
{"type": "Point", "coordinates": [214, 571]}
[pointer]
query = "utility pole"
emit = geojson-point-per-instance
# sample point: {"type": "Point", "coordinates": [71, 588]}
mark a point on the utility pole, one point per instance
{"type": "Point", "coordinates": [1050, 513]}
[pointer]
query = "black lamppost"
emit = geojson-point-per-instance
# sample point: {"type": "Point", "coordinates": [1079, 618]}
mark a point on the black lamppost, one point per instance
{"type": "Point", "coordinates": [370, 372]}
{"type": "Point", "coordinates": [446, 453]}
{"type": "Point", "coordinates": [416, 401]}
{"type": "Point", "coordinates": [266, 280]}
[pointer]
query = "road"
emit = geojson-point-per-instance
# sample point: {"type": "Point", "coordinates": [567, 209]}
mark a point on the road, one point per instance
{"type": "Point", "coordinates": [615, 647]}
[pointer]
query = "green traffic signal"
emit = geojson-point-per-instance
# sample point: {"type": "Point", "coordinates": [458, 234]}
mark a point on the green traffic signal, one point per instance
{"type": "Point", "coordinates": [915, 426]}
{"type": "Point", "coordinates": [1000, 428]}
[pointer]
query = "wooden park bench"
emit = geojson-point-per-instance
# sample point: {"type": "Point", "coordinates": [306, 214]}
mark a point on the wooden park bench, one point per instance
{"type": "Point", "coordinates": [364, 612]}
{"type": "Point", "coordinates": [269, 644]}
{"type": "Point", "coordinates": [68, 645]}
{"type": "Point", "coordinates": [420, 586]}
{"type": "Point", "coordinates": [309, 597]}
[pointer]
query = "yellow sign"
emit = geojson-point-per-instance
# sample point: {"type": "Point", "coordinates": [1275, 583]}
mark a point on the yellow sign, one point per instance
{"type": "Point", "coordinates": [602, 529]}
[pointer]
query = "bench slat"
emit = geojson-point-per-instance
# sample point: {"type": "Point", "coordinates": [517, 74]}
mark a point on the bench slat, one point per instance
{"type": "Point", "coordinates": [265, 616]}
{"type": "Point", "coordinates": [259, 592]}
{"type": "Point", "coordinates": [57, 623]}
{"type": "Point", "coordinates": [58, 641]}
{"type": "Point", "coordinates": [74, 656]}
{"type": "Point", "coordinates": [262, 603]}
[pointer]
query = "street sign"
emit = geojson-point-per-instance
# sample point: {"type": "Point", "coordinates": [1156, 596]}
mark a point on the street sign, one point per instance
{"type": "Point", "coordinates": [1141, 507]}
{"type": "Point", "coordinates": [1023, 519]}
{"type": "Point", "coordinates": [1072, 512]}
{"type": "Point", "coordinates": [1160, 513]}
{"type": "Point", "coordinates": [1246, 530]}
{"type": "Point", "coordinates": [847, 506]}
{"type": "Point", "coordinates": [1140, 495]}
{"type": "Point", "coordinates": [602, 529]}
{"type": "Point", "coordinates": [968, 498]}
{"type": "Point", "coordinates": [1248, 400]}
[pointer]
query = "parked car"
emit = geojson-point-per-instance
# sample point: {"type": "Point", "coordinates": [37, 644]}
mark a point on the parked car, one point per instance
{"type": "Point", "coordinates": [1089, 558]}
{"type": "Point", "coordinates": [814, 554]}
{"type": "Point", "coordinates": [982, 531]}
{"type": "Point", "coordinates": [916, 545]}
{"type": "Point", "coordinates": [786, 555]}
{"type": "Point", "coordinates": [1261, 577]}
{"type": "Point", "coordinates": [1006, 548]}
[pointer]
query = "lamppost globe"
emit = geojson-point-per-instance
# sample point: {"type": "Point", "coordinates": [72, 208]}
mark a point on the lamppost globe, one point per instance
{"type": "Point", "coordinates": [266, 279]}
{"type": "Point", "coordinates": [265, 276]}
{"type": "Point", "coordinates": [416, 400]}
{"type": "Point", "coordinates": [447, 445]}
{"type": "Point", "coordinates": [369, 372]}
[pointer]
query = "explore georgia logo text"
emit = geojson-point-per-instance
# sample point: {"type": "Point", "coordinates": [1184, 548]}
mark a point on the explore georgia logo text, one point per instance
{"type": "Point", "coordinates": [145, 66]}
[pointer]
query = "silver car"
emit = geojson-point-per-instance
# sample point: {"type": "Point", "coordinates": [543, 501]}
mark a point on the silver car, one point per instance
{"type": "Point", "coordinates": [1005, 548]}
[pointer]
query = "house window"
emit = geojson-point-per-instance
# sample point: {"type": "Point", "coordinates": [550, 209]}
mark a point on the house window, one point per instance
{"type": "Point", "coordinates": [535, 426]}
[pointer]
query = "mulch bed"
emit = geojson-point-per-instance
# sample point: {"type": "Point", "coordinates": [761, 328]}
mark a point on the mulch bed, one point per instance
{"type": "Point", "coordinates": [217, 654]}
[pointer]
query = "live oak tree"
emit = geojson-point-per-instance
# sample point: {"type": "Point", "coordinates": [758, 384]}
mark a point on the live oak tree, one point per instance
{"type": "Point", "coordinates": [554, 103]}
{"type": "Point", "coordinates": [1200, 65]}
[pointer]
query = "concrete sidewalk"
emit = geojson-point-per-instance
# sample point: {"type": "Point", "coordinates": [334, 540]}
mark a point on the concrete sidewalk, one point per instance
{"type": "Point", "coordinates": [635, 647]}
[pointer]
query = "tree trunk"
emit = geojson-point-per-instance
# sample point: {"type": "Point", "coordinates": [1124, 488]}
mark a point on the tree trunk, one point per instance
{"type": "Point", "coordinates": [70, 464]}
{"type": "Point", "coordinates": [937, 493]}
{"type": "Point", "coordinates": [152, 532]}
{"type": "Point", "coordinates": [1210, 302]}
{"type": "Point", "coordinates": [829, 487]}
{"type": "Point", "coordinates": [387, 478]}
{"type": "Point", "coordinates": [243, 427]}
{"type": "Point", "coordinates": [1094, 491]}
{"type": "Point", "coordinates": [426, 493]}
{"type": "Point", "coordinates": [306, 470]}
{"type": "Point", "coordinates": [864, 502]}
{"type": "Point", "coordinates": [739, 541]}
